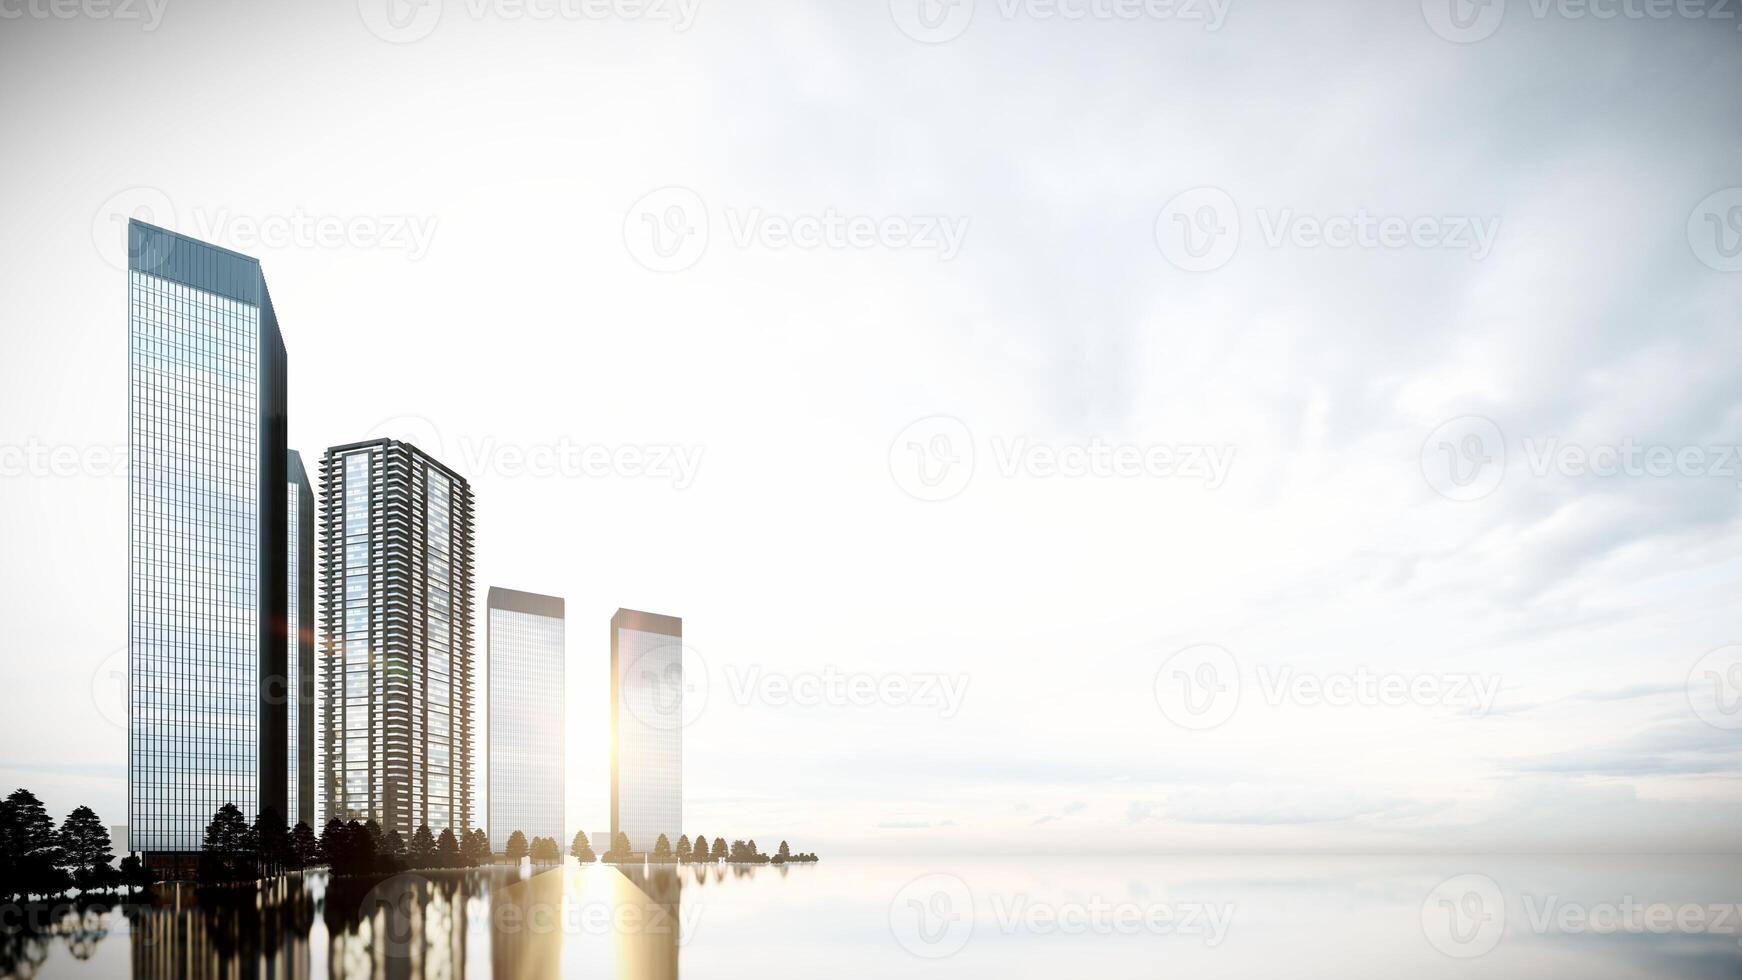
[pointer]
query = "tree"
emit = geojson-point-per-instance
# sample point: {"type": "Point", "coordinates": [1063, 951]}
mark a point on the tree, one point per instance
{"type": "Point", "coordinates": [393, 846]}
{"type": "Point", "coordinates": [783, 854]}
{"type": "Point", "coordinates": [305, 850]}
{"type": "Point", "coordinates": [582, 849]}
{"type": "Point", "coordinates": [333, 841]}
{"type": "Point", "coordinates": [30, 848]}
{"type": "Point", "coordinates": [683, 849]}
{"type": "Point", "coordinates": [719, 849]}
{"type": "Point", "coordinates": [86, 850]}
{"type": "Point", "coordinates": [226, 854]}
{"type": "Point", "coordinates": [447, 849]}
{"type": "Point", "coordinates": [376, 837]}
{"type": "Point", "coordinates": [476, 848]}
{"type": "Point", "coordinates": [422, 848]}
{"type": "Point", "coordinates": [271, 840]}
{"type": "Point", "coordinates": [134, 875]}
{"type": "Point", "coordinates": [516, 847]}
{"type": "Point", "coordinates": [620, 848]}
{"type": "Point", "coordinates": [662, 848]}
{"type": "Point", "coordinates": [699, 851]}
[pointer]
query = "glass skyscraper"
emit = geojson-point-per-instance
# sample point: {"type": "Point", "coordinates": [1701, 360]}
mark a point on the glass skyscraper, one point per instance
{"type": "Point", "coordinates": [396, 642]}
{"type": "Point", "coordinates": [206, 522]}
{"type": "Point", "coordinates": [647, 726]}
{"type": "Point", "coordinates": [527, 761]}
{"type": "Point", "coordinates": [300, 646]}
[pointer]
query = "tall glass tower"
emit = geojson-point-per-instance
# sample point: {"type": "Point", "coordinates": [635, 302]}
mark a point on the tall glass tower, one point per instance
{"type": "Point", "coordinates": [300, 646]}
{"type": "Point", "coordinates": [647, 689]}
{"type": "Point", "coordinates": [527, 767]}
{"type": "Point", "coordinates": [206, 525]}
{"type": "Point", "coordinates": [396, 642]}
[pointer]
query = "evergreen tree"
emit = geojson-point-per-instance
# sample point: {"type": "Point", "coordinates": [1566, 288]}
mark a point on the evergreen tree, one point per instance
{"type": "Point", "coordinates": [662, 848]}
{"type": "Point", "coordinates": [271, 841]}
{"type": "Point", "coordinates": [582, 849]}
{"type": "Point", "coordinates": [477, 848]}
{"type": "Point", "coordinates": [783, 854]}
{"type": "Point", "coordinates": [516, 847]}
{"type": "Point", "coordinates": [134, 875]}
{"type": "Point", "coordinates": [683, 849]}
{"type": "Point", "coordinates": [720, 851]}
{"type": "Point", "coordinates": [305, 850]}
{"type": "Point", "coordinates": [422, 849]}
{"type": "Point", "coordinates": [30, 848]}
{"type": "Point", "coordinates": [699, 851]}
{"type": "Point", "coordinates": [620, 847]}
{"type": "Point", "coordinates": [86, 850]}
{"type": "Point", "coordinates": [393, 847]}
{"type": "Point", "coordinates": [447, 849]}
{"type": "Point", "coordinates": [226, 854]}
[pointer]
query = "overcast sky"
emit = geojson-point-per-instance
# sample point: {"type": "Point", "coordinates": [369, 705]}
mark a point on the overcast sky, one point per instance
{"type": "Point", "coordinates": [950, 371]}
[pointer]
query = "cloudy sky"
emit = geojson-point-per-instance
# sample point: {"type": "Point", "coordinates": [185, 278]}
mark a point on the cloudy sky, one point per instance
{"type": "Point", "coordinates": [1244, 425]}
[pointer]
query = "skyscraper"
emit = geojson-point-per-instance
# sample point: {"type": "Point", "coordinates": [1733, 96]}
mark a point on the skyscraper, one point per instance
{"type": "Point", "coordinates": [647, 688]}
{"type": "Point", "coordinates": [300, 646]}
{"type": "Point", "coordinates": [396, 641]}
{"type": "Point", "coordinates": [526, 654]}
{"type": "Point", "coordinates": [206, 526]}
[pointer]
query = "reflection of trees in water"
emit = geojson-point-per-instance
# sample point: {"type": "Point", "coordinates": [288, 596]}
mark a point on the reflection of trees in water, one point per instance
{"type": "Point", "coordinates": [255, 929]}
{"type": "Point", "coordinates": [700, 874]}
{"type": "Point", "coordinates": [28, 932]}
{"type": "Point", "coordinates": [410, 926]}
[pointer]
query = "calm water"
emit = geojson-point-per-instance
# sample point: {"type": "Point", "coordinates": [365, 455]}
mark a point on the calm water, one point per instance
{"type": "Point", "coordinates": [1049, 917]}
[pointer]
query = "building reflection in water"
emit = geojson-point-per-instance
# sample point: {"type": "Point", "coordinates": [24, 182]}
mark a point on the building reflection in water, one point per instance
{"type": "Point", "coordinates": [406, 927]}
{"type": "Point", "coordinates": [596, 920]}
{"type": "Point", "coordinates": [649, 902]}
{"type": "Point", "coordinates": [185, 931]}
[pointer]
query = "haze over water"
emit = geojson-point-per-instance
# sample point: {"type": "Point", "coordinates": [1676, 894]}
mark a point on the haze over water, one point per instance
{"type": "Point", "coordinates": [1458, 916]}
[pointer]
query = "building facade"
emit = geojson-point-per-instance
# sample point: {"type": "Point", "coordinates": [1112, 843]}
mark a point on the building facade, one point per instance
{"type": "Point", "coordinates": [647, 688]}
{"type": "Point", "coordinates": [527, 769]}
{"type": "Point", "coordinates": [206, 524]}
{"type": "Point", "coordinates": [396, 638]}
{"type": "Point", "coordinates": [299, 631]}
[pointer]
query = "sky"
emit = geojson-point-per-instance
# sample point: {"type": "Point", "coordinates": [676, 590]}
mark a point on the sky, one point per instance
{"type": "Point", "coordinates": [1091, 426]}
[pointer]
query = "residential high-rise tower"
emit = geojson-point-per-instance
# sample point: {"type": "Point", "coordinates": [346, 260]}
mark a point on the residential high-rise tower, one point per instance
{"type": "Point", "coordinates": [396, 639]}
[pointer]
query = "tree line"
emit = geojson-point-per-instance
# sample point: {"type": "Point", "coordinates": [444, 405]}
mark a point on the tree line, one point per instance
{"type": "Point", "coordinates": [40, 859]}
{"type": "Point", "coordinates": [700, 852]}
